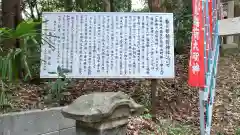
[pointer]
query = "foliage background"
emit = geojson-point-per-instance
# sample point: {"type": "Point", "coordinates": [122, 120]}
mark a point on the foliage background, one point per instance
{"type": "Point", "coordinates": [21, 89]}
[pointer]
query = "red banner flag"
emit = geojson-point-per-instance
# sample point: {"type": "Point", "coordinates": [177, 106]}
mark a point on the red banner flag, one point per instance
{"type": "Point", "coordinates": [196, 62]}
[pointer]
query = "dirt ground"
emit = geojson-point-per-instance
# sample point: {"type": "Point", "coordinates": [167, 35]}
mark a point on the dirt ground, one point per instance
{"type": "Point", "coordinates": [176, 100]}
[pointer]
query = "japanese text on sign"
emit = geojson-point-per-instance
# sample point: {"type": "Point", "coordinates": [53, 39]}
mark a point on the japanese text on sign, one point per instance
{"type": "Point", "coordinates": [108, 45]}
{"type": "Point", "coordinates": [196, 62]}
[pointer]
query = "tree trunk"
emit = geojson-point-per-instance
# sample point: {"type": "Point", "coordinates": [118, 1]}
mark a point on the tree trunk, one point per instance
{"type": "Point", "coordinates": [112, 5]}
{"type": "Point", "coordinates": [107, 5]}
{"type": "Point", "coordinates": [155, 5]}
{"type": "Point", "coordinates": [80, 5]}
{"type": "Point", "coordinates": [11, 17]}
{"type": "Point", "coordinates": [68, 5]}
{"type": "Point", "coordinates": [11, 13]}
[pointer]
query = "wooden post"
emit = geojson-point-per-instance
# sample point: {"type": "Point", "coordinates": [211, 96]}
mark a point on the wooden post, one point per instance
{"type": "Point", "coordinates": [230, 14]}
{"type": "Point", "coordinates": [154, 6]}
{"type": "Point", "coordinates": [154, 99]}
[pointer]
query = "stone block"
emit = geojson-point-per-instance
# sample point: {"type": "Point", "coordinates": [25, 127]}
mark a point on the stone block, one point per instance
{"type": "Point", "coordinates": [102, 113]}
{"type": "Point", "coordinates": [65, 122]}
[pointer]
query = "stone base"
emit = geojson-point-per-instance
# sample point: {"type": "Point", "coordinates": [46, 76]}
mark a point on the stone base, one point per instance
{"type": "Point", "coordinates": [229, 46]}
{"type": "Point", "coordinates": [120, 130]}
{"type": "Point", "coordinates": [102, 113]}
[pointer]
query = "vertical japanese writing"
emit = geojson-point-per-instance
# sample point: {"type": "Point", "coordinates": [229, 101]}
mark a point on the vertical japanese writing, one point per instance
{"type": "Point", "coordinates": [130, 46]}
{"type": "Point", "coordinates": [108, 43]}
{"type": "Point", "coordinates": [77, 26]}
{"type": "Point", "coordinates": [143, 44]}
{"type": "Point", "coordinates": [81, 42]}
{"type": "Point", "coordinates": [45, 29]}
{"type": "Point", "coordinates": [112, 42]}
{"type": "Point", "coordinates": [133, 44]}
{"type": "Point", "coordinates": [196, 64]}
{"type": "Point", "coordinates": [147, 45]}
{"type": "Point", "coordinates": [126, 68]}
{"type": "Point", "coordinates": [138, 43]}
{"type": "Point", "coordinates": [152, 45]}
{"type": "Point", "coordinates": [85, 45]}
{"type": "Point", "coordinates": [121, 46]}
{"type": "Point", "coordinates": [157, 56]}
{"type": "Point", "coordinates": [94, 43]}
{"type": "Point", "coordinates": [90, 45]}
{"type": "Point", "coordinates": [103, 21]}
{"type": "Point", "coordinates": [167, 35]}
{"type": "Point", "coordinates": [59, 40]}
{"type": "Point", "coordinates": [54, 42]}
{"type": "Point", "coordinates": [117, 45]}
{"type": "Point", "coordinates": [161, 45]}
{"type": "Point", "coordinates": [72, 37]}
{"type": "Point", "coordinates": [196, 35]}
{"type": "Point", "coordinates": [68, 29]}
{"type": "Point", "coordinates": [77, 40]}
{"type": "Point", "coordinates": [45, 60]}
{"type": "Point", "coordinates": [63, 38]}
{"type": "Point", "coordinates": [98, 45]}
{"type": "Point", "coordinates": [50, 45]}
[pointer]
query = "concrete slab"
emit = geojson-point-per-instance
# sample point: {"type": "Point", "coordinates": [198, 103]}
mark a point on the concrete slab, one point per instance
{"type": "Point", "coordinates": [1, 126]}
{"type": "Point", "coordinates": [52, 133]}
{"type": "Point", "coordinates": [31, 123]}
{"type": "Point", "coordinates": [34, 122]}
{"type": "Point", "coordinates": [69, 131]}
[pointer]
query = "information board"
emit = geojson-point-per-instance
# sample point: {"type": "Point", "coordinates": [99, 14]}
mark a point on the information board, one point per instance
{"type": "Point", "coordinates": [108, 45]}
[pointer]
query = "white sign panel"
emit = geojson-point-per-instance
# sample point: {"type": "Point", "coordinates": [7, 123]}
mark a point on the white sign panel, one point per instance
{"type": "Point", "coordinates": [108, 45]}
